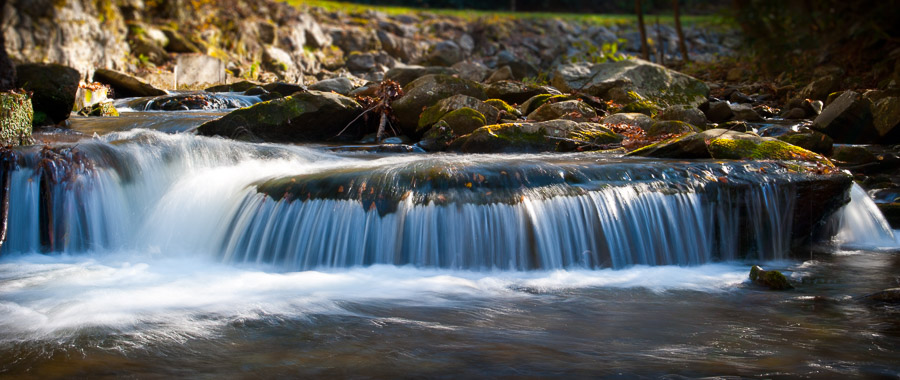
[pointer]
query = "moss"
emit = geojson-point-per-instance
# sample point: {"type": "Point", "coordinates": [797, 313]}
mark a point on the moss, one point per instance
{"type": "Point", "coordinates": [649, 148]}
{"type": "Point", "coordinates": [100, 109]}
{"type": "Point", "coordinates": [670, 127]}
{"type": "Point", "coordinates": [16, 116]}
{"type": "Point", "coordinates": [502, 106]}
{"type": "Point", "coordinates": [464, 120]}
{"type": "Point", "coordinates": [533, 103]}
{"type": "Point", "coordinates": [764, 150]}
{"type": "Point", "coordinates": [646, 107]}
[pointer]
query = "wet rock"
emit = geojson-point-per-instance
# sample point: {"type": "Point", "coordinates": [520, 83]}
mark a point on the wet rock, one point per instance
{"type": "Point", "coordinates": [89, 95]}
{"type": "Point", "coordinates": [124, 85]}
{"type": "Point", "coordinates": [634, 119]}
{"type": "Point", "coordinates": [303, 116]}
{"type": "Point", "coordinates": [233, 87]}
{"type": "Point", "coordinates": [513, 92]}
{"type": "Point", "coordinates": [852, 155]}
{"type": "Point", "coordinates": [339, 85]}
{"type": "Point", "coordinates": [191, 101]}
{"type": "Point", "coordinates": [437, 138]}
{"type": "Point", "coordinates": [810, 140]}
{"type": "Point", "coordinates": [445, 53]}
{"type": "Point", "coordinates": [886, 113]}
{"type": "Point", "coordinates": [744, 112]}
{"type": "Point", "coordinates": [53, 90]}
{"type": "Point", "coordinates": [473, 71]}
{"type": "Point", "coordinates": [848, 120]}
{"type": "Point", "coordinates": [575, 110]}
{"type": "Point", "coordinates": [427, 91]}
{"type": "Point", "coordinates": [534, 137]}
{"type": "Point", "coordinates": [795, 114]}
{"type": "Point", "coordinates": [771, 279]}
{"type": "Point", "coordinates": [650, 81]}
{"type": "Point", "coordinates": [739, 97]}
{"type": "Point", "coordinates": [16, 117]}
{"type": "Point", "coordinates": [464, 120]}
{"type": "Point", "coordinates": [719, 112]}
{"type": "Point", "coordinates": [406, 74]}
{"type": "Point", "coordinates": [885, 296]}
{"type": "Point", "coordinates": [283, 88]}
{"type": "Point", "coordinates": [383, 148]}
{"type": "Point", "coordinates": [103, 109]}
{"type": "Point", "coordinates": [820, 88]}
{"type": "Point", "coordinates": [670, 127]}
{"type": "Point", "coordinates": [688, 115]}
{"type": "Point", "coordinates": [433, 114]}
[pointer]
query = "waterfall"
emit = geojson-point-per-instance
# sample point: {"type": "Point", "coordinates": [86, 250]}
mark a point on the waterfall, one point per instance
{"type": "Point", "coordinates": [860, 224]}
{"type": "Point", "coordinates": [301, 208]}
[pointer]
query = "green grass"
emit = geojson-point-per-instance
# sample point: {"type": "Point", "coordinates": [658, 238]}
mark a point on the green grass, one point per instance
{"type": "Point", "coordinates": [596, 19]}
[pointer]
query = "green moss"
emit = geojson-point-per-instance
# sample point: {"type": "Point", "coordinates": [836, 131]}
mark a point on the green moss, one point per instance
{"type": "Point", "coordinates": [464, 120]}
{"type": "Point", "coordinates": [534, 102]}
{"type": "Point", "coordinates": [100, 109]}
{"type": "Point", "coordinates": [764, 150]}
{"type": "Point", "coordinates": [670, 127]}
{"type": "Point", "coordinates": [430, 116]}
{"type": "Point", "coordinates": [775, 280]}
{"type": "Point", "coordinates": [502, 106]}
{"type": "Point", "coordinates": [646, 107]}
{"type": "Point", "coordinates": [16, 116]}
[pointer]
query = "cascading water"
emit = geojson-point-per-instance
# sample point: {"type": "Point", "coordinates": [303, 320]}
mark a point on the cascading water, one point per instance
{"type": "Point", "coordinates": [861, 225]}
{"type": "Point", "coordinates": [300, 208]}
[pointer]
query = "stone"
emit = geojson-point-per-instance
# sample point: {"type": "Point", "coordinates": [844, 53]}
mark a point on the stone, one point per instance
{"type": "Point", "coordinates": [266, 32]}
{"type": "Point", "coordinates": [852, 155]}
{"type": "Point", "coordinates": [406, 74]}
{"type": "Point", "coordinates": [404, 49]}
{"type": "Point", "coordinates": [795, 114]}
{"type": "Point", "coordinates": [473, 71]}
{"type": "Point", "coordinates": [538, 100]}
{"type": "Point", "coordinates": [279, 62]}
{"type": "Point", "coordinates": [534, 137]}
{"type": "Point", "coordinates": [445, 53]}
{"type": "Point", "coordinates": [575, 110]}
{"type": "Point", "coordinates": [301, 117]}
{"type": "Point", "coordinates": [124, 85]}
{"type": "Point", "coordinates": [719, 112]}
{"type": "Point", "coordinates": [688, 115]}
{"type": "Point", "coordinates": [104, 109]}
{"type": "Point", "coordinates": [771, 279]}
{"type": "Point", "coordinates": [148, 50]}
{"type": "Point", "coordinates": [339, 85]}
{"type": "Point", "coordinates": [513, 92]}
{"type": "Point", "coordinates": [283, 88]}
{"type": "Point", "coordinates": [360, 62]}
{"type": "Point", "coordinates": [89, 95]}
{"type": "Point", "coordinates": [53, 90]}
{"type": "Point", "coordinates": [744, 112]}
{"type": "Point", "coordinates": [192, 70]}
{"type": "Point", "coordinates": [848, 120]}
{"type": "Point", "coordinates": [810, 140]}
{"type": "Point", "coordinates": [437, 138]}
{"type": "Point", "coordinates": [502, 74]}
{"type": "Point", "coordinates": [820, 88]}
{"type": "Point", "coordinates": [233, 87]}
{"type": "Point", "coordinates": [504, 107]}
{"type": "Point", "coordinates": [425, 92]}
{"type": "Point", "coordinates": [354, 39]}
{"type": "Point", "coordinates": [633, 119]}
{"type": "Point", "coordinates": [886, 113]}
{"type": "Point", "coordinates": [464, 120]}
{"type": "Point", "coordinates": [316, 38]}
{"type": "Point", "coordinates": [520, 68]}
{"type": "Point", "coordinates": [670, 127]}
{"type": "Point", "coordinates": [178, 43]}
{"type": "Point", "coordinates": [16, 118]}
{"type": "Point", "coordinates": [651, 81]}
{"type": "Point", "coordinates": [433, 114]}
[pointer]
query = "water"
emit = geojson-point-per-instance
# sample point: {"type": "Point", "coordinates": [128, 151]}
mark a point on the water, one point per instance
{"type": "Point", "coordinates": [176, 255]}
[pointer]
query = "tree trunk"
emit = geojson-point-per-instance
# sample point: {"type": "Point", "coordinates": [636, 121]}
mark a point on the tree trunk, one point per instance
{"type": "Point", "coordinates": [660, 53]}
{"type": "Point", "coordinates": [645, 50]}
{"type": "Point", "coordinates": [682, 45]}
{"type": "Point", "coordinates": [7, 68]}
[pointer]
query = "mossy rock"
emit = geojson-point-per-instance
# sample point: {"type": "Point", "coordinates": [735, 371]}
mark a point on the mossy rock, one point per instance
{"type": "Point", "coordinates": [432, 114]}
{"type": "Point", "coordinates": [464, 120]}
{"type": "Point", "coordinates": [536, 101]}
{"type": "Point", "coordinates": [771, 279]}
{"type": "Point", "coordinates": [503, 107]}
{"type": "Point", "coordinates": [810, 140]}
{"type": "Point", "coordinates": [53, 90]}
{"type": "Point", "coordinates": [106, 109]}
{"type": "Point", "coordinates": [16, 117]}
{"type": "Point", "coordinates": [659, 128]}
{"type": "Point", "coordinates": [437, 138]}
{"type": "Point", "coordinates": [547, 136]}
{"type": "Point", "coordinates": [427, 91]}
{"type": "Point", "coordinates": [513, 91]}
{"type": "Point", "coordinates": [301, 117]}
{"type": "Point", "coordinates": [644, 106]}
{"type": "Point", "coordinates": [853, 155]}
{"type": "Point", "coordinates": [575, 110]}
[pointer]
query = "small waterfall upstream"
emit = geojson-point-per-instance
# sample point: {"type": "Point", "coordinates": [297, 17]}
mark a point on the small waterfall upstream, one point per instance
{"type": "Point", "coordinates": [300, 208]}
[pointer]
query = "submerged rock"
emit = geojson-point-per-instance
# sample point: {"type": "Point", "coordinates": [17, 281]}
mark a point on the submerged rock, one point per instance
{"type": "Point", "coordinates": [15, 118]}
{"type": "Point", "coordinates": [554, 135]}
{"type": "Point", "coordinates": [425, 92]}
{"type": "Point", "coordinates": [233, 87]}
{"type": "Point", "coordinates": [53, 90]}
{"type": "Point", "coordinates": [771, 279]}
{"type": "Point", "coordinates": [891, 295]}
{"type": "Point", "coordinates": [303, 116]}
{"type": "Point", "coordinates": [649, 80]}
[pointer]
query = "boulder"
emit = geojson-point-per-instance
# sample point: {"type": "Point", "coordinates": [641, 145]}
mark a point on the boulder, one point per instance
{"type": "Point", "coordinates": [820, 88]}
{"type": "Point", "coordinates": [431, 115]}
{"type": "Point", "coordinates": [519, 68]}
{"type": "Point", "coordinates": [886, 113]}
{"type": "Point", "coordinates": [425, 92]}
{"type": "Point", "coordinates": [744, 112]}
{"type": "Point", "coordinates": [437, 138]}
{"type": "Point", "coordinates": [670, 127]}
{"type": "Point", "coordinates": [473, 71]}
{"type": "Point", "coordinates": [103, 109]}
{"type": "Point", "coordinates": [534, 137]}
{"type": "Point", "coordinates": [634, 119]}
{"type": "Point", "coordinates": [360, 62]}
{"type": "Point", "coordinates": [279, 62]}
{"type": "Point", "coordinates": [504, 107]}
{"type": "Point", "coordinates": [233, 87]}
{"type": "Point", "coordinates": [406, 74]}
{"type": "Point", "coordinates": [810, 140]}
{"type": "Point", "coordinates": [16, 117]}
{"type": "Point", "coordinates": [445, 53]}
{"type": "Point", "coordinates": [124, 85]}
{"type": "Point", "coordinates": [192, 70]}
{"type": "Point", "coordinates": [575, 110]}
{"type": "Point", "coordinates": [177, 43]}
{"type": "Point", "coordinates": [688, 115]}
{"type": "Point", "coordinates": [852, 155]}
{"type": "Point", "coordinates": [283, 88]}
{"type": "Point", "coordinates": [771, 279]}
{"type": "Point", "coordinates": [513, 92]}
{"type": "Point", "coordinates": [502, 74]}
{"type": "Point", "coordinates": [303, 116]}
{"type": "Point", "coordinates": [464, 120]}
{"type": "Point", "coordinates": [339, 85]}
{"type": "Point", "coordinates": [144, 48]}
{"type": "Point", "coordinates": [53, 90]}
{"type": "Point", "coordinates": [848, 120]}
{"type": "Point", "coordinates": [651, 81]}
{"type": "Point", "coordinates": [719, 112]}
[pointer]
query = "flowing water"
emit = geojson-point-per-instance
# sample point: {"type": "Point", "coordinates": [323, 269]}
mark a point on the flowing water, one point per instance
{"type": "Point", "coordinates": [143, 252]}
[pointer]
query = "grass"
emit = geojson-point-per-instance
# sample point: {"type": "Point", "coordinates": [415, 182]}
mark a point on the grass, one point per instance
{"type": "Point", "coordinates": [595, 19]}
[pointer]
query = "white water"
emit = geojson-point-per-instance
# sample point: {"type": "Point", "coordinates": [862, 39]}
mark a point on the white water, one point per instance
{"type": "Point", "coordinates": [860, 224]}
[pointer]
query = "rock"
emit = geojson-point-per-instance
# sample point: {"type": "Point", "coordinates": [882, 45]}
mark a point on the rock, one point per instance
{"type": "Point", "coordinates": [433, 114]}
{"type": "Point", "coordinates": [719, 112]}
{"type": "Point", "coordinates": [473, 71]}
{"type": "Point", "coordinates": [351, 39]}
{"type": "Point", "coordinates": [891, 295]}
{"type": "Point", "coordinates": [144, 48]}
{"type": "Point", "coordinates": [7, 68]}
{"type": "Point", "coordinates": [575, 110]}
{"type": "Point", "coordinates": [53, 86]}
{"type": "Point", "coordinates": [339, 85]}
{"type": "Point", "coordinates": [405, 49]}
{"type": "Point", "coordinates": [104, 109]}
{"type": "Point", "coordinates": [688, 115]}
{"type": "Point", "coordinates": [744, 112]}
{"type": "Point", "coordinates": [810, 140]}
{"type": "Point", "coordinates": [233, 87]}
{"type": "Point", "coordinates": [89, 95]}
{"type": "Point", "coordinates": [406, 74]}
{"type": "Point", "coordinates": [360, 62]}
{"type": "Point", "coordinates": [315, 36]}
{"type": "Point", "coordinates": [278, 61]}
{"type": "Point", "coordinates": [651, 81]}
{"type": "Point", "coordinates": [771, 279]}
{"type": "Point", "coordinates": [425, 92]}
{"type": "Point", "coordinates": [16, 117]}
{"type": "Point", "coordinates": [124, 85]}
{"type": "Point", "coordinates": [177, 43]}
{"type": "Point", "coordinates": [504, 107]}
{"type": "Point", "coordinates": [283, 88]}
{"type": "Point", "coordinates": [848, 120]}
{"type": "Point", "coordinates": [534, 102]}
{"type": "Point", "coordinates": [820, 88]}
{"type": "Point", "coordinates": [519, 68]}
{"type": "Point", "coordinates": [303, 116]}
{"type": "Point", "coordinates": [383, 148]}
{"type": "Point", "coordinates": [731, 145]}
{"type": "Point", "coordinates": [852, 155]}
{"type": "Point", "coordinates": [266, 32]}
{"type": "Point", "coordinates": [464, 120]}
{"type": "Point", "coordinates": [445, 53]}
{"type": "Point", "coordinates": [502, 74]}
{"type": "Point", "coordinates": [634, 119]}
{"type": "Point", "coordinates": [795, 114]}
{"type": "Point", "coordinates": [738, 126]}
{"type": "Point", "coordinates": [670, 127]}
{"type": "Point", "coordinates": [513, 92]}
{"type": "Point", "coordinates": [437, 138]}
{"type": "Point", "coordinates": [886, 113]}
{"type": "Point", "coordinates": [193, 70]}
{"type": "Point", "coordinates": [185, 101]}
{"type": "Point", "coordinates": [739, 97]}
{"type": "Point", "coordinates": [533, 137]}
